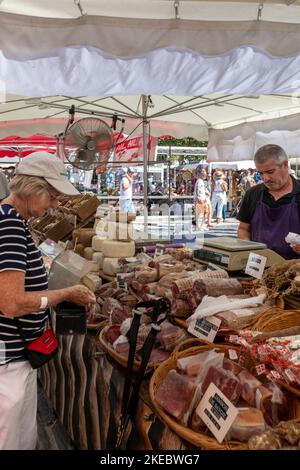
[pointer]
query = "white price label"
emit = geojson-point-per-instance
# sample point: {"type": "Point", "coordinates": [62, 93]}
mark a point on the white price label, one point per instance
{"type": "Point", "coordinates": [205, 328]}
{"type": "Point", "coordinates": [217, 412]}
{"type": "Point", "coordinates": [121, 282]}
{"type": "Point", "coordinates": [255, 265]}
{"type": "Point", "coordinates": [159, 250]}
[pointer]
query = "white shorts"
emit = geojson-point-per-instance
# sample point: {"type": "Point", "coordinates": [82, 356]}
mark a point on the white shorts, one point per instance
{"type": "Point", "coordinates": [18, 406]}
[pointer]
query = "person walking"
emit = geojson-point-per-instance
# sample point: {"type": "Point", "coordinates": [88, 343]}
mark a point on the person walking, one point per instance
{"type": "Point", "coordinates": [200, 198]}
{"type": "Point", "coordinates": [125, 200]}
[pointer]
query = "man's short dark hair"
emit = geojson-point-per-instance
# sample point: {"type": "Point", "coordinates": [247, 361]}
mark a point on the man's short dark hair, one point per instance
{"type": "Point", "coordinates": [270, 152]}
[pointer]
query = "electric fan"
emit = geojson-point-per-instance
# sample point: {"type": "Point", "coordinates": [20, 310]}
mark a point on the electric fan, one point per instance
{"type": "Point", "coordinates": [87, 143]}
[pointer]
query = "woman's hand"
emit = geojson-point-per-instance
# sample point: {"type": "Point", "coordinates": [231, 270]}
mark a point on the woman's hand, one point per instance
{"type": "Point", "coordinates": [296, 248]}
{"type": "Point", "coordinates": [81, 295]}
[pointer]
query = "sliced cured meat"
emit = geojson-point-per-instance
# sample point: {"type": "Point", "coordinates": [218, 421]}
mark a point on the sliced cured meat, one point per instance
{"type": "Point", "coordinates": [175, 394]}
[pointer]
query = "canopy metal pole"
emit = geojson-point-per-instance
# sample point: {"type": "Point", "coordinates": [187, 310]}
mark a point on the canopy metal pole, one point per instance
{"type": "Point", "coordinates": [169, 185]}
{"type": "Point", "coordinates": [145, 160]}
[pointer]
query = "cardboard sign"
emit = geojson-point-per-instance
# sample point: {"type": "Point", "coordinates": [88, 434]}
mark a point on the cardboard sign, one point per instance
{"type": "Point", "coordinates": [205, 328]}
{"type": "Point", "coordinates": [255, 265]}
{"type": "Point", "coordinates": [131, 150]}
{"type": "Point", "coordinates": [217, 412]}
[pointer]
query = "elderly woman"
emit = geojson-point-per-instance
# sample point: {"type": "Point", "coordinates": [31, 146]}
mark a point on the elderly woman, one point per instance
{"type": "Point", "coordinates": [24, 298]}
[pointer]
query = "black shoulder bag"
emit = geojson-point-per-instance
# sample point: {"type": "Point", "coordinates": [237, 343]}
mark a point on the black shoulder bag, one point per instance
{"type": "Point", "coordinates": [41, 350]}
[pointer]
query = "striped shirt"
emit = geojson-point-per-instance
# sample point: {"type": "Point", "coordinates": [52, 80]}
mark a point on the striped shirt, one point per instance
{"type": "Point", "coordinates": [18, 252]}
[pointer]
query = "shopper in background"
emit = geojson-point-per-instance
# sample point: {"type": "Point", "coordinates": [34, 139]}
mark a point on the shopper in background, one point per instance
{"type": "Point", "coordinates": [200, 198]}
{"type": "Point", "coordinates": [219, 188]}
{"type": "Point", "coordinates": [4, 189]}
{"type": "Point", "coordinates": [126, 203]}
{"type": "Point", "coordinates": [270, 210]}
{"type": "Point", "coordinates": [24, 294]}
{"type": "Point", "coordinates": [247, 182]}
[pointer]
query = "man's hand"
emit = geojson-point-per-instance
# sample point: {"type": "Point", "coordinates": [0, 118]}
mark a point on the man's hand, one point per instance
{"type": "Point", "coordinates": [244, 231]}
{"type": "Point", "coordinates": [296, 248]}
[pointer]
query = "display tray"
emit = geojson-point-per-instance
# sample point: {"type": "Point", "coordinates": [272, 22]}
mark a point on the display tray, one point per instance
{"type": "Point", "coordinates": [199, 439]}
{"type": "Point", "coordinates": [119, 358]}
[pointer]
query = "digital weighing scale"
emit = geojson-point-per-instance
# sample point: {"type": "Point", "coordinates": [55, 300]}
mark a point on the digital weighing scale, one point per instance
{"type": "Point", "coordinates": [232, 253]}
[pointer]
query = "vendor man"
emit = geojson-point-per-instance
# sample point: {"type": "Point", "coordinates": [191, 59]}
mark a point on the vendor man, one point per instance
{"type": "Point", "coordinates": [271, 210]}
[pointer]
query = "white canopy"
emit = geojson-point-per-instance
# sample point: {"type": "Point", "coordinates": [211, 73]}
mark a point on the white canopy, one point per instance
{"type": "Point", "coordinates": [177, 116]}
{"type": "Point", "coordinates": [241, 142]}
{"type": "Point", "coordinates": [138, 46]}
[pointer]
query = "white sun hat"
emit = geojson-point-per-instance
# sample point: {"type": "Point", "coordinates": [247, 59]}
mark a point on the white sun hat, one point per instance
{"type": "Point", "coordinates": [45, 165]}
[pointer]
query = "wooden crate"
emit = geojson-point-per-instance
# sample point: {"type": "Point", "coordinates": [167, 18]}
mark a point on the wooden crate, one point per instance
{"type": "Point", "coordinates": [87, 208]}
{"type": "Point", "coordinates": [59, 231]}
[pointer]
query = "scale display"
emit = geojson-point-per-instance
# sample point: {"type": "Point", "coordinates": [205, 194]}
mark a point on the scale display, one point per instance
{"type": "Point", "coordinates": [232, 253]}
{"type": "Point", "coordinates": [211, 256]}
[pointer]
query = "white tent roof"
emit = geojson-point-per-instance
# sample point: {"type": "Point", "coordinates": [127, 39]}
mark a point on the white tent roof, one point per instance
{"type": "Point", "coordinates": [189, 58]}
{"type": "Point", "coordinates": [176, 116]}
{"type": "Point", "coordinates": [241, 141]}
{"type": "Point", "coordinates": [131, 47]}
{"type": "Point", "coordinates": [273, 10]}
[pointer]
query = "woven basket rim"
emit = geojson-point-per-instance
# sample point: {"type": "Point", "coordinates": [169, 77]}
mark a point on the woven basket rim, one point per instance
{"type": "Point", "coordinates": [97, 326]}
{"type": "Point", "coordinates": [196, 438]}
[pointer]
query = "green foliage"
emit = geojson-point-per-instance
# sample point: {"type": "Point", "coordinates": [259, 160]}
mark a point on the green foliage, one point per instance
{"type": "Point", "coordinates": [184, 142]}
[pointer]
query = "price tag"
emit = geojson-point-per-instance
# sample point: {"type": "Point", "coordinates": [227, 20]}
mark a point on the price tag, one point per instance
{"type": "Point", "coordinates": [255, 265]}
{"type": "Point", "coordinates": [121, 282]}
{"type": "Point", "coordinates": [205, 328]}
{"type": "Point", "coordinates": [233, 355]}
{"type": "Point", "coordinates": [159, 250]}
{"type": "Point", "coordinates": [260, 369]}
{"type": "Point", "coordinates": [217, 412]}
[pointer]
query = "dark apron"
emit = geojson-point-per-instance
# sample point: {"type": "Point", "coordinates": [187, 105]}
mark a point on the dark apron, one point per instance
{"type": "Point", "coordinates": [271, 225]}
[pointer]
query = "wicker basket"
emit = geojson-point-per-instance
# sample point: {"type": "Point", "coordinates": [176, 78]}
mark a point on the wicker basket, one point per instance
{"type": "Point", "coordinates": [121, 360]}
{"type": "Point", "coordinates": [275, 319]}
{"type": "Point", "coordinates": [198, 439]}
{"type": "Point", "coordinates": [97, 326]}
{"type": "Point", "coordinates": [204, 441]}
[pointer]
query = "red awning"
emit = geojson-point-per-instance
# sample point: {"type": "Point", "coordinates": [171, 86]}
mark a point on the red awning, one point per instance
{"type": "Point", "coordinates": [16, 146]}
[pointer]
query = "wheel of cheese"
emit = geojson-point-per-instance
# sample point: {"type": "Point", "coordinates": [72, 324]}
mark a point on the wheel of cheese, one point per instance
{"type": "Point", "coordinates": [101, 227]}
{"type": "Point", "coordinates": [92, 281]}
{"type": "Point", "coordinates": [111, 266]}
{"type": "Point", "coordinates": [95, 268]}
{"type": "Point", "coordinates": [83, 236]}
{"type": "Point", "coordinates": [80, 249]}
{"type": "Point", "coordinates": [119, 231]}
{"type": "Point", "coordinates": [88, 253]}
{"type": "Point", "coordinates": [98, 258]}
{"type": "Point", "coordinates": [97, 242]}
{"type": "Point", "coordinates": [118, 249]}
